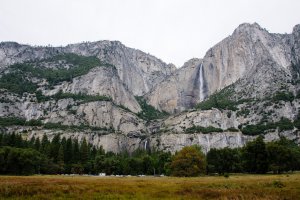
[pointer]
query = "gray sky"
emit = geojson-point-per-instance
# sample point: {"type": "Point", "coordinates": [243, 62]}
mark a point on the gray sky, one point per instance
{"type": "Point", "coordinates": [172, 30]}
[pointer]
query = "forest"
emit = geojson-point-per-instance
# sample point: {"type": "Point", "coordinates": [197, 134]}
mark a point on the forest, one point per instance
{"type": "Point", "coordinates": [70, 156]}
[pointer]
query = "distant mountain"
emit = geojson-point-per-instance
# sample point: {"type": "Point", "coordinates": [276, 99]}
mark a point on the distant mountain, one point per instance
{"type": "Point", "coordinates": [123, 99]}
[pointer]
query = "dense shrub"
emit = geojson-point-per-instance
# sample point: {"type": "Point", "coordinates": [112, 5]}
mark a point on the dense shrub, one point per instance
{"type": "Point", "coordinates": [22, 161]}
{"type": "Point", "coordinates": [17, 82]}
{"type": "Point", "coordinates": [283, 124]}
{"type": "Point", "coordinates": [232, 129]}
{"type": "Point", "coordinates": [9, 121]}
{"type": "Point", "coordinates": [149, 112]}
{"type": "Point", "coordinates": [220, 100]}
{"type": "Point", "coordinates": [201, 129]}
{"type": "Point", "coordinates": [224, 160]}
{"type": "Point", "coordinates": [84, 98]}
{"type": "Point", "coordinates": [283, 96]}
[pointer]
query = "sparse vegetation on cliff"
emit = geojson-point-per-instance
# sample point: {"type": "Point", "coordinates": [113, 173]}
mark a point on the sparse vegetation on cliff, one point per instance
{"type": "Point", "coordinates": [83, 98]}
{"type": "Point", "coordinates": [282, 125]}
{"type": "Point", "coordinates": [220, 100]}
{"type": "Point", "coordinates": [149, 112]}
{"type": "Point", "coordinates": [9, 121]}
{"type": "Point", "coordinates": [201, 129]}
{"type": "Point", "coordinates": [19, 78]}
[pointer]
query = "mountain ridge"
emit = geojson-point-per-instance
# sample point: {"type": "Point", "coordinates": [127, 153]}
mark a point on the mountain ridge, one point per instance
{"type": "Point", "coordinates": [244, 86]}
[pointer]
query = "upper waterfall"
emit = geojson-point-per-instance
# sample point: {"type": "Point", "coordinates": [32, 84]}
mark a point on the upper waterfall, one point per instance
{"type": "Point", "coordinates": [201, 83]}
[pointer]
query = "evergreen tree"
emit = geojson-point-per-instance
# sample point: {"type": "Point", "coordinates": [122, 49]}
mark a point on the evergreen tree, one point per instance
{"type": "Point", "coordinates": [44, 145]}
{"type": "Point", "coordinates": [5, 140]}
{"type": "Point", "coordinates": [93, 152]}
{"type": "Point", "coordinates": [224, 160]}
{"type": "Point", "coordinates": [63, 142]}
{"type": "Point", "coordinates": [31, 143]}
{"type": "Point", "coordinates": [54, 147]}
{"type": "Point", "coordinates": [68, 151]}
{"type": "Point", "coordinates": [255, 156]}
{"type": "Point", "coordinates": [84, 152]}
{"type": "Point", "coordinates": [37, 144]}
{"type": "Point", "coordinates": [12, 140]}
{"type": "Point", "coordinates": [19, 141]}
{"type": "Point", "coordinates": [76, 152]}
{"type": "Point", "coordinates": [1, 138]}
{"type": "Point", "coordinates": [60, 158]}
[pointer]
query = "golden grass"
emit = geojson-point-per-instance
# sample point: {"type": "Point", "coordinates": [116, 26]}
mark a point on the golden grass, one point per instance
{"type": "Point", "coordinates": [235, 187]}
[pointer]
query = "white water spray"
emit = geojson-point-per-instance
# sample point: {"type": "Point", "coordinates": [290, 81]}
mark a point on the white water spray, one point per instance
{"type": "Point", "coordinates": [201, 83]}
{"type": "Point", "coordinates": [145, 145]}
{"type": "Point", "coordinates": [208, 143]}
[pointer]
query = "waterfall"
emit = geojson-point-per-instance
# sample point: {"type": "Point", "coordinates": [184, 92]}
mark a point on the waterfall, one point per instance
{"type": "Point", "coordinates": [208, 143]}
{"type": "Point", "coordinates": [145, 145]}
{"type": "Point", "coordinates": [201, 83]}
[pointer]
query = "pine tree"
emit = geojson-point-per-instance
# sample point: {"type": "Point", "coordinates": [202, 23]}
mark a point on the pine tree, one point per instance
{"type": "Point", "coordinates": [12, 140]}
{"type": "Point", "coordinates": [54, 147]}
{"type": "Point", "coordinates": [32, 142]}
{"type": "Point", "coordinates": [84, 152]}
{"type": "Point", "coordinates": [76, 152]}
{"type": "Point", "coordinates": [44, 144]}
{"type": "Point", "coordinates": [1, 137]}
{"type": "Point", "coordinates": [63, 143]}
{"type": "Point", "coordinates": [255, 156]}
{"type": "Point", "coordinates": [19, 141]}
{"type": "Point", "coordinates": [37, 144]}
{"type": "Point", "coordinates": [68, 151]}
{"type": "Point", "coordinates": [60, 158]}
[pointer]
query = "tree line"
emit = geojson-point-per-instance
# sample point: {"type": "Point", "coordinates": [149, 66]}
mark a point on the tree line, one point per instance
{"type": "Point", "coordinates": [70, 156]}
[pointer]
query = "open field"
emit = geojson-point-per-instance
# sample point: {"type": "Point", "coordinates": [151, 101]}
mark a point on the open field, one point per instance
{"type": "Point", "coordinates": [273, 187]}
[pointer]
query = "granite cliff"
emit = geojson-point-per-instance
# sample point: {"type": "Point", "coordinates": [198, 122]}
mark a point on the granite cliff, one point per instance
{"type": "Point", "coordinates": [118, 97]}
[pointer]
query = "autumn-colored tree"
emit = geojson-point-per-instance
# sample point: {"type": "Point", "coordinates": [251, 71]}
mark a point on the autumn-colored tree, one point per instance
{"type": "Point", "coordinates": [190, 161]}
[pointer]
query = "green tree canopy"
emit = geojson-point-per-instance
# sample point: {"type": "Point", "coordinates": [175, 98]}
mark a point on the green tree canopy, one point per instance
{"type": "Point", "coordinates": [255, 156]}
{"type": "Point", "coordinates": [190, 161]}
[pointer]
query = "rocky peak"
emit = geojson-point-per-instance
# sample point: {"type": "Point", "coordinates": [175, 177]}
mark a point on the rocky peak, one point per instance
{"type": "Point", "coordinates": [238, 56]}
{"type": "Point", "coordinates": [252, 62]}
{"type": "Point", "coordinates": [296, 29]}
{"type": "Point", "coordinates": [146, 69]}
{"type": "Point", "coordinates": [246, 27]}
{"type": "Point", "coordinates": [9, 45]}
{"type": "Point", "coordinates": [12, 52]}
{"type": "Point", "coordinates": [192, 62]}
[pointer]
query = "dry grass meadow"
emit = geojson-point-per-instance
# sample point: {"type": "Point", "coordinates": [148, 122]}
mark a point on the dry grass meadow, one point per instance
{"type": "Point", "coordinates": [273, 187]}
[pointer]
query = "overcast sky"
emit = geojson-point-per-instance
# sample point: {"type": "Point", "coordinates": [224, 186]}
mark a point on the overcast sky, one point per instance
{"type": "Point", "coordinates": [172, 30]}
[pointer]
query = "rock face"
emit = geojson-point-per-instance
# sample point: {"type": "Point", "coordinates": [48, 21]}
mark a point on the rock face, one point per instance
{"type": "Point", "coordinates": [250, 78]}
{"type": "Point", "coordinates": [242, 55]}
{"type": "Point", "coordinates": [147, 70]}
{"type": "Point", "coordinates": [243, 52]}
{"type": "Point", "coordinates": [12, 52]}
{"type": "Point", "coordinates": [102, 81]}
{"type": "Point", "coordinates": [99, 114]}
{"type": "Point", "coordinates": [179, 91]}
